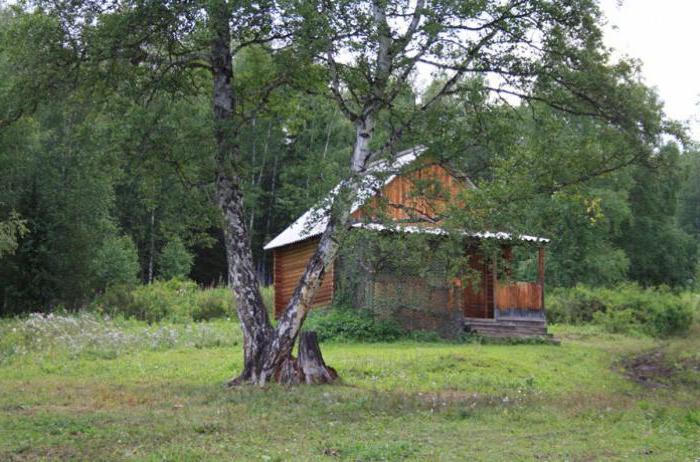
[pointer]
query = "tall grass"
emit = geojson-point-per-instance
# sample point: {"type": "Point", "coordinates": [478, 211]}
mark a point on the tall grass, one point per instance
{"type": "Point", "coordinates": [92, 335]}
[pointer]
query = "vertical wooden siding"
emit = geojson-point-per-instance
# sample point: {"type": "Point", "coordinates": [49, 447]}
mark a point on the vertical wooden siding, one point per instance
{"type": "Point", "coordinates": [519, 295]}
{"type": "Point", "coordinates": [289, 264]}
{"type": "Point", "coordinates": [403, 203]}
{"type": "Point", "coordinates": [478, 296]}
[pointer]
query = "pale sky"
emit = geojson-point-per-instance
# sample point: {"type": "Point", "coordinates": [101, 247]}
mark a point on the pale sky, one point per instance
{"type": "Point", "coordinates": [665, 36]}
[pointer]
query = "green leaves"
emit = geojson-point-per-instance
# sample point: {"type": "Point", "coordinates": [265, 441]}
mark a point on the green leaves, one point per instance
{"type": "Point", "coordinates": [35, 61]}
{"type": "Point", "coordinates": [11, 230]}
{"type": "Point", "coordinates": [116, 262]}
{"type": "Point", "coordinates": [174, 261]}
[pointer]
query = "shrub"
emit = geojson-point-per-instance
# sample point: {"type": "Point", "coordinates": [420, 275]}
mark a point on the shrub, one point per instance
{"type": "Point", "coordinates": [574, 306]}
{"type": "Point", "coordinates": [174, 261]}
{"type": "Point", "coordinates": [116, 262]}
{"type": "Point", "coordinates": [626, 308]}
{"type": "Point", "coordinates": [211, 304]}
{"type": "Point", "coordinates": [175, 300]}
{"type": "Point", "coordinates": [356, 325]}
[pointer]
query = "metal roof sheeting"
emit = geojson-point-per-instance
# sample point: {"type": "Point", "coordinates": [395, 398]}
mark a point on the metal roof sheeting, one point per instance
{"type": "Point", "coordinates": [314, 221]}
{"type": "Point", "coordinates": [501, 236]}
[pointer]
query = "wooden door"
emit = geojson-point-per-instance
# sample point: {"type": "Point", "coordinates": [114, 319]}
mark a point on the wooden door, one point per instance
{"type": "Point", "coordinates": [478, 294]}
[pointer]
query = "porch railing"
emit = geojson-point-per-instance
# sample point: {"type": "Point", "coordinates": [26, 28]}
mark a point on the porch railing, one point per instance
{"type": "Point", "coordinates": [519, 296]}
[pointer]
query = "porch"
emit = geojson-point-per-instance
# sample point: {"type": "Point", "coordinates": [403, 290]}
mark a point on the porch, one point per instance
{"type": "Point", "coordinates": [484, 296]}
{"type": "Point", "coordinates": [505, 327]}
{"type": "Point", "coordinates": [502, 307]}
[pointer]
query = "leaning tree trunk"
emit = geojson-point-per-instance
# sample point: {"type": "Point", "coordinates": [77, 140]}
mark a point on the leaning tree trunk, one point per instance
{"type": "Point", "coordinates": [289, 324]}
{"type": "Point", "coordinates": [266, 351]}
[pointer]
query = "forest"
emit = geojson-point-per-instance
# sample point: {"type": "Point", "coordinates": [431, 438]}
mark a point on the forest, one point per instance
{"type": "Point", "coordinates": [102, 187]}
{"type": "Point", "coordinates": [149, 150]}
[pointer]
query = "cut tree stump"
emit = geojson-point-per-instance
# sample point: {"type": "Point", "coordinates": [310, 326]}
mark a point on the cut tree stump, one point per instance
{"type": "Point", "coordinates": [309, 367]}
{"type": "Point", "coordinates": [311, 361]}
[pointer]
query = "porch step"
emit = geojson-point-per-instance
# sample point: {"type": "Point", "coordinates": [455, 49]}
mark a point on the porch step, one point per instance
{"type": "Point", "coordinates": [502, 328]}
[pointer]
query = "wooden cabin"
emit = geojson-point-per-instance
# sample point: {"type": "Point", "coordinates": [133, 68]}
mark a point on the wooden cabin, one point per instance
{"type": "Point", "coordinates": [488, 304]}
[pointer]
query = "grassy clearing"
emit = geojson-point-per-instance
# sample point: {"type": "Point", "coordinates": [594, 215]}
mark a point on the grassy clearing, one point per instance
{"type": "Point", "coordinates": [150, 400]}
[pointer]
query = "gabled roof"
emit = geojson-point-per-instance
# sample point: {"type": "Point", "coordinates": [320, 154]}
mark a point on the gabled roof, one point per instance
{"type": "Point", "coordinates": [314, 221]}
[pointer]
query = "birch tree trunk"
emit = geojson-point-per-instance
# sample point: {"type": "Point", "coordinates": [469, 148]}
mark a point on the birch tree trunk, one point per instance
{"type": "Point", "coordinates": [268, 350]}
{"type": "Point", "coordinates": [289, 324]}
{"type": "Point", "coordinates": [152, 246]}
{"type": "Point", "coordinates": [252, 315]}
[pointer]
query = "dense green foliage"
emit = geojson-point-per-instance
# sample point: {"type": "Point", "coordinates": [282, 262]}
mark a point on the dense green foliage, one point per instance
{"type": "Point", "coordinates": [175, 300]}
{"type": "Point", "coordinates": [10, 231]}
{"type": "Point", "coordinates": [349, 325]}
{"type": "Point", "coordinates": [559, 175]}
{"type": "Point", "coordinates": [625, 308]}
{"type": "Point", "coordinates": [116, 262]}
{"type": "Point", "coordinates": [175, 261]}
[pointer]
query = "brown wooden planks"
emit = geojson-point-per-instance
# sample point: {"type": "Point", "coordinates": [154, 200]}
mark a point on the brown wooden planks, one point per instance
{"type": "Point", "coordinates": [289, 265]}
{"type": "Point", "coordinates": [404, 204]}
{"type": "Point", "coordinates": [519, 295]}
{"type": "Point", "coordinates": [478, 296]}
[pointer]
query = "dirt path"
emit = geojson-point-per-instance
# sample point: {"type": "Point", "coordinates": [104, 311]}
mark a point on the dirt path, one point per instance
{"type": "Point", "coordinates": [655, 369]}
{"type": "Point", "coordinates": [650, 369]}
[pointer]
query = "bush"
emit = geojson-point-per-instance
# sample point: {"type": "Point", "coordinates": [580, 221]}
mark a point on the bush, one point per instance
{"type": "Point", "coordinates": [573, 306]}
{"type": "Point", "coordinates": [352, 325]}
{"type": "Point", "coordinates": [211, 304]}
{"type": "Point", "coordinates": [174, 261]}
{"type": "Point", "coordinates": [176, 300]}
{"type": "Point", "coordinates": [626, 308]}
{"type": "Point", "coordinates": [116, 262]}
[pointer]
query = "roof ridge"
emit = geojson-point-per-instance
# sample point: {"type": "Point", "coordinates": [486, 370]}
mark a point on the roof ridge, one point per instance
{"type": "Point", "coordinates": [313, 222]}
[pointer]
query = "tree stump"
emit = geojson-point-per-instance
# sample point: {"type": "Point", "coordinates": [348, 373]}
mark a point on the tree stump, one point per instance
{"type": "Point", "coordinates": [313, 367]}
{"type": "Point", "coordinates": [309, 367]}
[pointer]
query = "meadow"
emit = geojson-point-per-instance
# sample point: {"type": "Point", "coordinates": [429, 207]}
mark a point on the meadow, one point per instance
{"type": "Point", "coordinates": [86, 387]}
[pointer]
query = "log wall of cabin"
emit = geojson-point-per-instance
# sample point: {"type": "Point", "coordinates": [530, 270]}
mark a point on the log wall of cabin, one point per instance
{"type": "Point", "coordinates": [289, 265]}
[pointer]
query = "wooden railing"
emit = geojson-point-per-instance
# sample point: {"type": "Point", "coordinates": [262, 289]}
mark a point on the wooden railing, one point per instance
{"type": "Point", "coordinates": [519, 295]}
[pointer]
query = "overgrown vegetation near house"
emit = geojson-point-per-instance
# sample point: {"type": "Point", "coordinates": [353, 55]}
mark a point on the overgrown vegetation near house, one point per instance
{"type": "Point", "coordinates": [625, 308]}
{"type": "Point", "coordinates": [176, 300]}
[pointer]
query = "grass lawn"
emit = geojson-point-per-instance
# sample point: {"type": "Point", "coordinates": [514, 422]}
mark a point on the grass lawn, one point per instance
{"type": "Point", "coordinates": [398, 401]}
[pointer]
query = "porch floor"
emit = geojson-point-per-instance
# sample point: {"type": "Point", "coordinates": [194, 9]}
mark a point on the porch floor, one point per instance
{"type": "Point", "coordinates": [519, 328]}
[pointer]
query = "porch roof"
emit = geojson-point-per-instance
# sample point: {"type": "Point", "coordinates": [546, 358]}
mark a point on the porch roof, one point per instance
{"type": "Point", "coordinates": [501, 236]}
